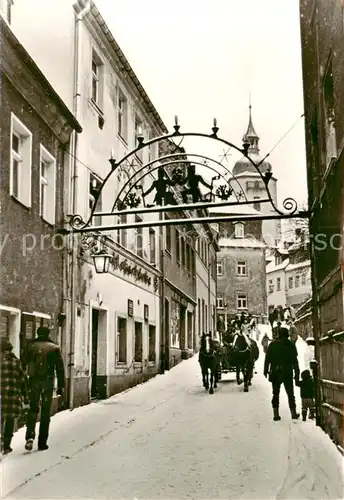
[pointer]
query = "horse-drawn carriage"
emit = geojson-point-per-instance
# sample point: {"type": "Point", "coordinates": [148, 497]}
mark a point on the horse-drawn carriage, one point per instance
{"type": "Point", "coordinates": [227, 355]}
{"type": "Point", "coordinates": [237, 353]}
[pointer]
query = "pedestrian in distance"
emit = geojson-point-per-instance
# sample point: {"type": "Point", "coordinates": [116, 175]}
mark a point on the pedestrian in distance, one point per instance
{"type": "Point", "coordinates": [306, 385]}
{"type": "Point", "coordinates": [14, 393]}
{"type": "Point", "coordinates": [280, 365]}
{"type": "Point", "coordinates": [43, 361]}
{"type": "Point", "coordinates": [265, 342]}
{"type": "Point", "coordinates": [293, 332]}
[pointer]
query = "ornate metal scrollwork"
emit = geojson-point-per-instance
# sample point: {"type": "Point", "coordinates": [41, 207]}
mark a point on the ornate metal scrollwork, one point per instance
{"type": "Point", "coordinates": [185, 182]}
{"type": "Point", "coordinates": [289, 205]}
{"type": "Point", "coordinates": [224, 192]}
{"type": "Point", "coordinates": [77, 222]}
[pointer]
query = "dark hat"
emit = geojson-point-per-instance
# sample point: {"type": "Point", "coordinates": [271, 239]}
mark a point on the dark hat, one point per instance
{"type": "Point", "coordinates": [283, 333]}
{"type": "Point", "coordinates": [305, 374]}
{"type": "Point", "coordinates": [43, 331]}
{"type": "Point", "coordinates": [5, 344]}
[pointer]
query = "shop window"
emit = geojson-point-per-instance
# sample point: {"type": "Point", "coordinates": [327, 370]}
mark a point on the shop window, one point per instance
{"type": "Point", "coordinates": [122, 339]}
{"type": "Point", "coordinates": [151, 341]}
{"type": "Point", "coordinates": [138, 342]}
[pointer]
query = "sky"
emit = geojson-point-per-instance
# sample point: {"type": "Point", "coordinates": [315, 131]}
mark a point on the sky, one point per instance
{"type": "Point", "coordinates": [200, 59]}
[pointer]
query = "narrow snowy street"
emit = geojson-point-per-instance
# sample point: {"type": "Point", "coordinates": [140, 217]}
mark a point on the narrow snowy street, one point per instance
{"type": "Point", "coordinates": [168, 438]}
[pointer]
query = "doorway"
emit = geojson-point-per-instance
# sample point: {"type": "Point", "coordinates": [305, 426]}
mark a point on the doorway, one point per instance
{"type": "Point", "coordinates": [166, 339]}
{"type": "Point", "coordinates": [182, 328]}
{"type": "Point", "coordinates": [190, 330]}
{"type": "Point", "coordinates": [94, 353]}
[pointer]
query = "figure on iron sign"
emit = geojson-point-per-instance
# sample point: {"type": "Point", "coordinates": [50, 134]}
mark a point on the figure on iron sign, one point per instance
{"type": "Point", "coordinates": [193, 181]}
{"type": "Point", "coordinates": [162, 195]}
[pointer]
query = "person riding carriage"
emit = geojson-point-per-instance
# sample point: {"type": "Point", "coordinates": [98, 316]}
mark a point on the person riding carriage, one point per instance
{"type": "Point", "coordinates": [239, 351]}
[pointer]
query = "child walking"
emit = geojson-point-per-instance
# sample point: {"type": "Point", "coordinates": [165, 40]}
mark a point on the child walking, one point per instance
{"type": "Point", "coordinates": [306, 385]}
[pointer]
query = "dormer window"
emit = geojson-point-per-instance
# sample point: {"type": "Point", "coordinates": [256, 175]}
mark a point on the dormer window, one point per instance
{"type": "Point", "coordinates": [239, 230]}
{"type": "Point", "coordinates": [278, 260]}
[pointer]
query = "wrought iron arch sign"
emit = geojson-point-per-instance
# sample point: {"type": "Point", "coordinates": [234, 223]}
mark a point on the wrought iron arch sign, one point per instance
{"type": "Point", "coordinates": [128, 202]}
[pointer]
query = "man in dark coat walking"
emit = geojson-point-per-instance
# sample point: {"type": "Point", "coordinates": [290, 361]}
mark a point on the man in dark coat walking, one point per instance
{"type": "Point", "coordinates": [44, 361]}
{"type": "Point", "coordinates": [13, 393]}
{"type": "Point", "coordinates": [281, 364]}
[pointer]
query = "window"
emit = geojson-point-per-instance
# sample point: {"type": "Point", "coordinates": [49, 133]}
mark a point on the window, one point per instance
{"type": "Point", "coordinates": [271, 286]}
{"type": "Point", "coordinates": [193, 265]}
{"type": "Point", "coordinates": [151, 344]}
{"type": "Point", "coordinates": [122, 116]}
{"type": "Point", "coordinates": [188, 258]}
{"type": "Point", "coordinates": [122, 339]}
{"type": "Point", "coordinates": [6, 9]}
{"type": "Point", "coordinates": [138, 133]}
{"type": "Point", "coordinates": [297, 281]}
{"type": "Point", "coordinates": [241, 268]}
{"type": "Point", "coordinates": [151, 148]}
{"type": "Point", "coordinates": [21, 152]}
{"type": "Point", "coordinates": [183, 251]}
{"type": "Point", "coordinates": [330, 132]}
{"type": "Point", "coordinates": [290, 282]}
{"type": "Point", "coordinates": [241, 301]}
{"type": "Point", "coordinates": [199, 317]}
{"type": "Point", "coordinates": [303, 279]}
{"type": "Point", "coordinates": [47, 186]}
{"type": "Point", "coordinates": [97, 77]}
{"type": "Point", "coordinates": [94, 188]}
{"type": "Point", "coordinates": [278, 260]}
{"type": "Point", "coordinates": [138, 237]}
{"type": "Point", "coordinates": [168, 236]}
{"type": "Point", "coordinates": [152, 256]}
{"type": "Point", "coordinates": [138, 342]}
{"type": "Point", "coordinates": [219, 301]}
{"type": "Point", "coordinates": [122, 233]}
{"type": "Point", "coordinates": [278, 283]}
{"type": "Point", "coordinates": [177, 246]}
{"type": "Point", "coordinates": [219, 268]}
{"type": "Point", "coordinates": [239, 230]}
{"type": "Point", "coordinates": [78, 358]}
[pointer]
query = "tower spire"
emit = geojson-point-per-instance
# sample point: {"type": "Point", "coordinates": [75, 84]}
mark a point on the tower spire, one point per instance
{"type": "Point", "coordinates": [251, 135]}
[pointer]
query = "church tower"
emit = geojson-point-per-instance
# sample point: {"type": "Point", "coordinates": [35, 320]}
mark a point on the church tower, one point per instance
{"type": "Point", "coordinates": [253, 185]}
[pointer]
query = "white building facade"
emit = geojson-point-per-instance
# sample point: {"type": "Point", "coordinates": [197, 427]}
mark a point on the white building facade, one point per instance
{"type": "Point", "coordinates": [206, 258]}
{"type": "Point", "coordinates": [111, 336]}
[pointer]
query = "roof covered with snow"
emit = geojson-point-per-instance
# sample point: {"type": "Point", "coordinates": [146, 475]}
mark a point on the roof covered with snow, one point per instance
{"type": "Point", "coordinates": [240, 209]}
{"type": "Point", "coordinates": [240, 243]}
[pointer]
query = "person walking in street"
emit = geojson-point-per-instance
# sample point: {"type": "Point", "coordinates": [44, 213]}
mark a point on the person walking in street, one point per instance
{"type": "Point", "coordinates": [280, 365]}
{"type": "Point", "coordinates": [306, 385]}
{"type": "Point", "coordinates": [293, 333]}
{"type": "Point", "coordinates": [44, 361]}
{"type": "Point", "coordinates": [14, 394]}
{"type": "Point", "coordinates": [265, 342]}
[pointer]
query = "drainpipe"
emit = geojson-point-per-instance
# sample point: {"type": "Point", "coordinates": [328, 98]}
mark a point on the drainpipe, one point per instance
{"type": "Point", "coordinates": [163, 333]}
{"type": "Point", "coordinates": [76, 111]}
{"type": "Point", "coordinates": [209, 302]}
{"type": "Point", "coordinates": [313, 227]}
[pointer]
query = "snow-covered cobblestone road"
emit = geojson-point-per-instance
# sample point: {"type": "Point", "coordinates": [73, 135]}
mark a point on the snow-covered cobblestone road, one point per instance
{"type": "Point", "coordinates": [168, 438]}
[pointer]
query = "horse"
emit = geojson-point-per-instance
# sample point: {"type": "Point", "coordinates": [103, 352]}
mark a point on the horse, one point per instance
{"type": "Point", "coordinates": [208, 362]}
{"type": "Point", "coordinates": [254, 355]}
{"type": "Point", "coordinates": [242, 357]}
